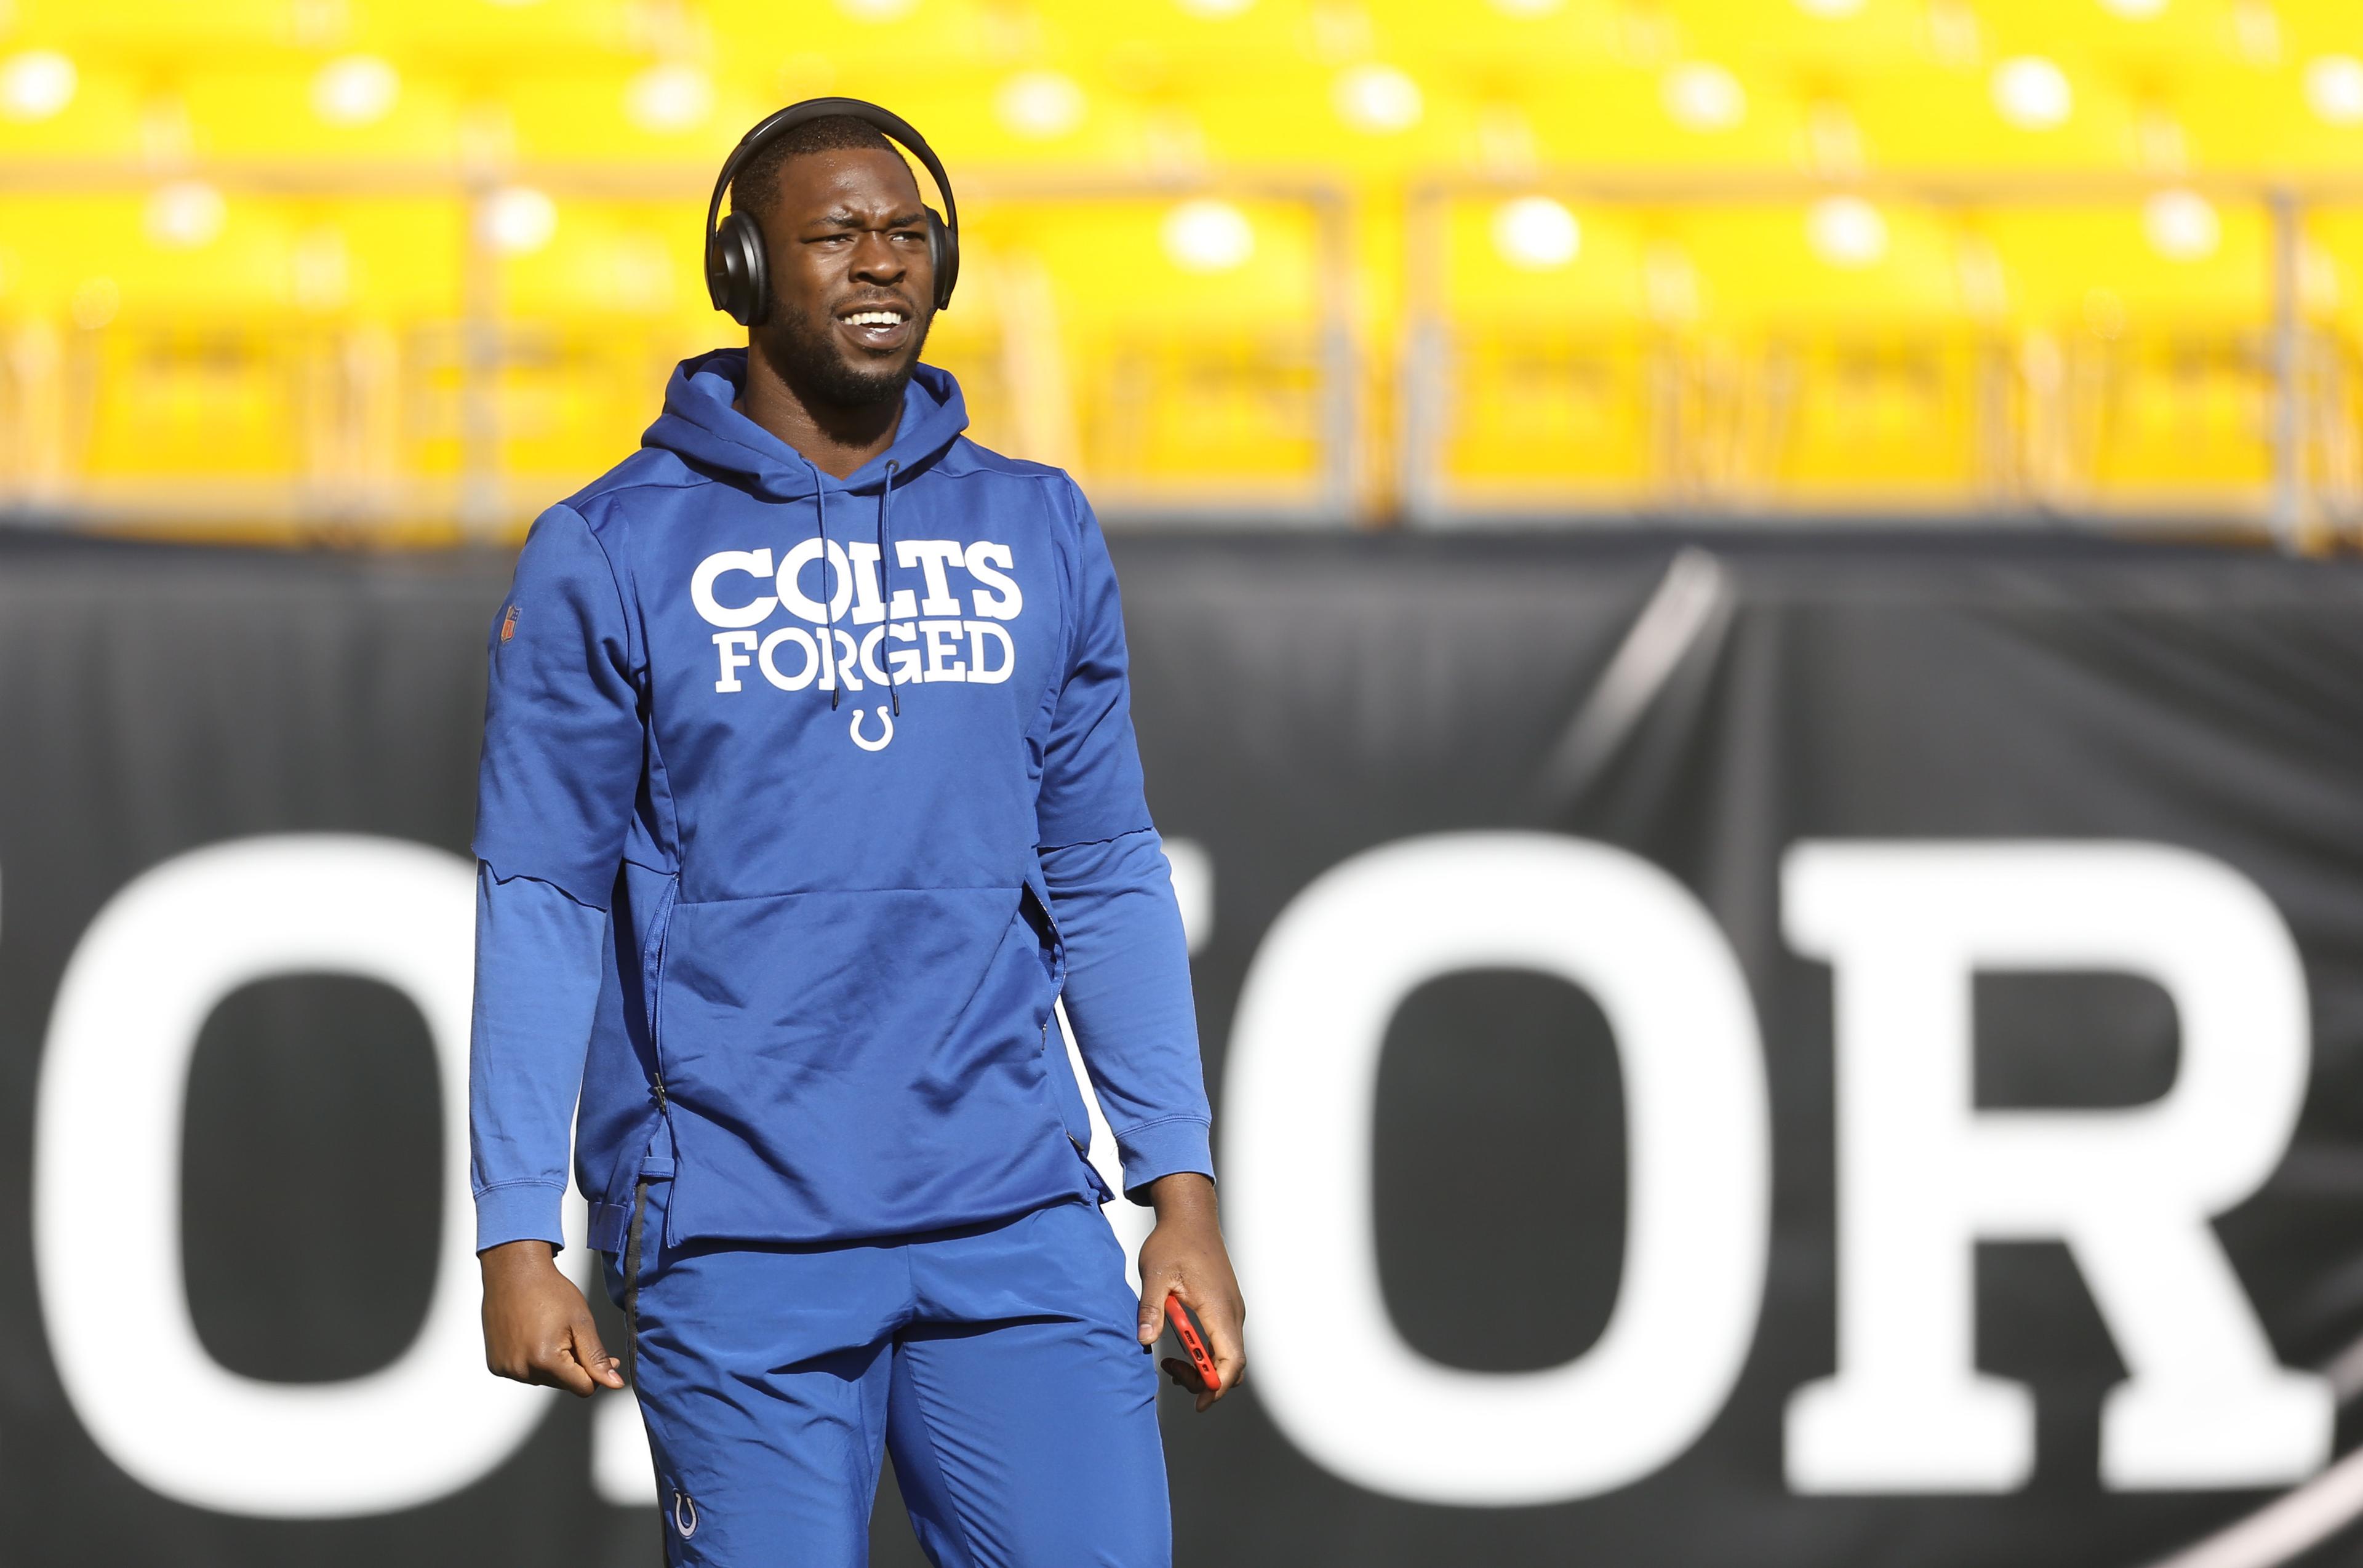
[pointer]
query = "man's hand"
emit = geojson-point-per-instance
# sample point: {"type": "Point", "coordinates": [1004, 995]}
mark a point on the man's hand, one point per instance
{"type": "Point", "coordinates": [1184, 1255]}
{"type": "Point", "coordinates": [538, 1327]}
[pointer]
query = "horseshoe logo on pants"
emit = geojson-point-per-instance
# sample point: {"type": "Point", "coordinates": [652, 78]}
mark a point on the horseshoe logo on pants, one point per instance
{"type": "Point", "coordinates": [886, 733]}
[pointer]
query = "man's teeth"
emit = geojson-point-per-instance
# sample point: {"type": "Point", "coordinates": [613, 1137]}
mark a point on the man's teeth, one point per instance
{"type": "Point", "coordinates": [875, 318]}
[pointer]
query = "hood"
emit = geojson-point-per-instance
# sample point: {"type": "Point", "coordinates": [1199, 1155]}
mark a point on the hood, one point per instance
{"type": "Point", "coordinates": [700, 425]}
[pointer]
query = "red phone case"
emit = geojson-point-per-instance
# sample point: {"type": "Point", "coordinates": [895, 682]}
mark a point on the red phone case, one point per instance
{"type": "Point", "coordinates": [1196, 1347]}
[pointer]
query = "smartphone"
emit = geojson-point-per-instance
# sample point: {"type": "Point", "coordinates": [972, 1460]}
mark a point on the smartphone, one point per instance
{"type": "Point", "coordinates": [1191, 1345]}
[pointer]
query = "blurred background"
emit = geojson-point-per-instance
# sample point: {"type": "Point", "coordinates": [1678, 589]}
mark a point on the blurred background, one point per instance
{"type": "Point", "coordinates": [1710, 467]}
{"type": "Point", "coordinates": [409, 271]}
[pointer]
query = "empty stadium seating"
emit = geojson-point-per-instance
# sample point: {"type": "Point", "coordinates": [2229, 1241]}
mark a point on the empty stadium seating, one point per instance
{"type": "Point", "coordinates": [415, 260]}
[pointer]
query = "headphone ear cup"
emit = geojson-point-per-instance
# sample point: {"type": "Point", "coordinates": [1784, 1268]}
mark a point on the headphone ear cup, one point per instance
{"type": "Point", "coordinates": [738, 274]}
{"type": "Point", "coordinates": [943, 246]}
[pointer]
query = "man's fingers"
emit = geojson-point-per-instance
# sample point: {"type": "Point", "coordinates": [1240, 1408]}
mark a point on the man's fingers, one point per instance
{"type": "Point", "coordinates": [604, 1370]}
{"type": "Point", "coordinates": [1152, 1305]}
{"type": "Point", "coordinates": [1220, 1322]}
{"type": "Point", "coordinates": [538, 1327]}
{"type": "Point", "coordinates": [1185, 1378]}
{"type": "Point", "coordinates": [556, 1367]}
{"type": "Point", "coordinates": [1231, 1369]}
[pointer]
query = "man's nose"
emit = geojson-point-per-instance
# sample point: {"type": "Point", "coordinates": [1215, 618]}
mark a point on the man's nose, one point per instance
{"type": "Point", "coordinates": [876, 258]}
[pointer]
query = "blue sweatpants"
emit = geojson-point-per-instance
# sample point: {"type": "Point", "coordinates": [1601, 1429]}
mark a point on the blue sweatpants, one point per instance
{"type": "Point", "coordinates": [998, 1363]}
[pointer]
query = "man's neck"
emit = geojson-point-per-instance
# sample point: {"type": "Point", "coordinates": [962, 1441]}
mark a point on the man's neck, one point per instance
{"type": "Point", "coordinates": [837, 439]}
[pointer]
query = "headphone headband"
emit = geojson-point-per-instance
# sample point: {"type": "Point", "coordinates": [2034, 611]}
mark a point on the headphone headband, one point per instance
{"type": "Point", "coordinates": [884, 120]}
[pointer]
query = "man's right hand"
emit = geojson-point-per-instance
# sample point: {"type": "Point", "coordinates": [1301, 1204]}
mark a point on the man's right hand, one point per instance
{"type": "Point", "coordinates": [538, 1327]}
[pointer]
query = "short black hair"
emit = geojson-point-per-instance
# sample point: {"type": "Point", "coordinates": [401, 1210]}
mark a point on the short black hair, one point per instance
{"type": "Point", "coordinates": [758, 182]}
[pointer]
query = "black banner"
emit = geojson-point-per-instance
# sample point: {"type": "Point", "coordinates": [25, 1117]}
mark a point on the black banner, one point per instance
{"type": "Point", "coordinates": [1744, 1051]}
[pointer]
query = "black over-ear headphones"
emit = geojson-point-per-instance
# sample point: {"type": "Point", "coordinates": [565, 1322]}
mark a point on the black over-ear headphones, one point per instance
{"type": "Point", "coordinates": [738, 274]}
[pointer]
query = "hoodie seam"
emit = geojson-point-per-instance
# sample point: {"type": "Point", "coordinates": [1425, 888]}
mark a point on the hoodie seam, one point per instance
{"type": "Point", "coordinates": [614, 582]}
{"type": "Point", "coordinates": [657, 771]}
{"type": "Point", "coordinates": [1140, 1127]}
{"type": "Point", "coordinates": [628, 605]}
{"type": "Point", "coordinates": [600, 490]}
{"type": "Point", "coordinates": [1065, 494]}
{"type": "Point", "coordinates": [557, 1186]}
{"type": "Point", "coordinates": [1042, 850]}
{"type": "Point", "coordinates": [672, 804]}
{"type": "Point", "coordinates": [813, 891]}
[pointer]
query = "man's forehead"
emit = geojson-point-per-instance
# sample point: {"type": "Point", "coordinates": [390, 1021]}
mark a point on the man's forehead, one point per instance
{"type": "Point", "coordinates": [813, 185]}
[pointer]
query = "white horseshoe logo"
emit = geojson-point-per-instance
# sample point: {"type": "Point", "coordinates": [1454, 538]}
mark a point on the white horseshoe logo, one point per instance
{"type": "Point", "coordinates": [687, 1527]}
{"type": "Point", "coordinates": [885, 735]}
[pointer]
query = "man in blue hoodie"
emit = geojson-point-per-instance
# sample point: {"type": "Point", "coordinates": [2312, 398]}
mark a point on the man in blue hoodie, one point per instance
{"type": "Point", "coordinates": [809, 786]}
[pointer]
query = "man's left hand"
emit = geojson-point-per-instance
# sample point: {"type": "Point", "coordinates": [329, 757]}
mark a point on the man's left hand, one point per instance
{"type": "Point", "coordinates": [1184, 1256]}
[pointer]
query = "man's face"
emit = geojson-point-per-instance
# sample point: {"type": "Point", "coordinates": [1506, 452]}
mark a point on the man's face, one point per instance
{"type": "Point", "coordinates": [853, 282]}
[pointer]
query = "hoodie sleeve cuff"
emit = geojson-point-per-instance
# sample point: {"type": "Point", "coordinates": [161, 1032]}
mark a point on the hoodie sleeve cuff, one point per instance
{"type": "Point", "coordinates": [519, 1211]}
{"type": "Point", "coordinates": [1161, 1149]}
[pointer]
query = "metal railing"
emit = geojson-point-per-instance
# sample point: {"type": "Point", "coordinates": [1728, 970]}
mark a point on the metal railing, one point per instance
{"type": "Point", "coordinates": [2299, 362]}
{"type": "Point", "coordinates": [1708, 420]}
{"type": "Point", "coordinates": [458, 365]}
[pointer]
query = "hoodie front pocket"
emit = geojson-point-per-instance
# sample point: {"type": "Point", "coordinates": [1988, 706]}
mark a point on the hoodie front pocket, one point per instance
{"type": "Point", "coordinates": [781, 1004]}
{"type": "Point", "coordinates": [875, 1060]}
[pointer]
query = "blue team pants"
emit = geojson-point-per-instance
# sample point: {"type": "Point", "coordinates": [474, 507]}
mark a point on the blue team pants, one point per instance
{"type": "Point", "coordinates": [998, 1363]}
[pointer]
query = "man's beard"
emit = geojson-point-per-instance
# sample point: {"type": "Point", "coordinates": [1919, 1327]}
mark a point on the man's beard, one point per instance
{"type": "Point", "coordinates": [811, 363]}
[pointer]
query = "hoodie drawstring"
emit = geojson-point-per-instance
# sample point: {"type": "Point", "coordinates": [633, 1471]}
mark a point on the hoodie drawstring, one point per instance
{"type": "Point", "coordinates": [886, 583]}
{"type": "Point", "coordinates": [827, 589]}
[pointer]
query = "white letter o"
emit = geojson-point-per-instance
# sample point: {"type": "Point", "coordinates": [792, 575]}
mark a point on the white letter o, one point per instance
{"type": "Point", "coordinates": [1299, 1093]}
{"type": "Point", "coordinates": [803, 640]}
{"type": "Point", "coordinates": [106, 1167]}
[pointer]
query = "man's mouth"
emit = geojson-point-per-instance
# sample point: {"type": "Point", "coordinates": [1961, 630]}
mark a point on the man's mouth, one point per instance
{"type": "Point", "coordinates": [880, 328]}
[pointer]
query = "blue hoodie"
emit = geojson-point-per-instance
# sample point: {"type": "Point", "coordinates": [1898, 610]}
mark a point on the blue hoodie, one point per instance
{"type": "Point", "coordinates": [802, 800]}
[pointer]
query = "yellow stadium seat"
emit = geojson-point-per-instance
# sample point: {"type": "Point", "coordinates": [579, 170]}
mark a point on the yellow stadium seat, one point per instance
{"type": "Point", "coordinates": [1950, 118]}
{"type": "Point", "coordinates": [2149, 375]}
{"type": "Point", "coordinates": [819, 42]}
{"type": "Point", "coordinates": [2260, 123]}
{"type": "Point", "coordinates": [2145, 36]}
{"type": "Point", "coordinates": [1036, 117]}
{"type": "Point", "coordinates": [173, 326]}
{"type": "Point", "coordinates": [341, 109]}
{"type": "Point", "coordinates": [167, 32]}
{"type": "Point", "coordinates": [1690, 114]}
{"type": "Point", "coordinates": [1192, 335]}
{"type": "Point", "coordinates": [1169, 38]}
{"type": "Point", "coordinates": [1773, 372]}
{"type": "Point", "coordinates": [1547, 350]}
{"type": "Point", "coordinates": [1495, 46]}
{"type": "Point", "coordinates": [669, 117]}
{"type": "Point", "coordinates": [608, 258]}
{"type": "Point", "coordinates": [596, 317]}
{"type": "Point", "coordinates": [103, 117]}
{"type": "Point", "coordinates": [2305, 28]}
{"type": "Point", "coordinates": [1845, 320]}
{"type": "Point", "coordinates": [1878, 34]}
{"type": "Point", "coordinates": [1358, 118]}
{"type": "Point", "coordinates": [495, 38]}
{"type": "Point", "coordinates": [2082, 261]}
